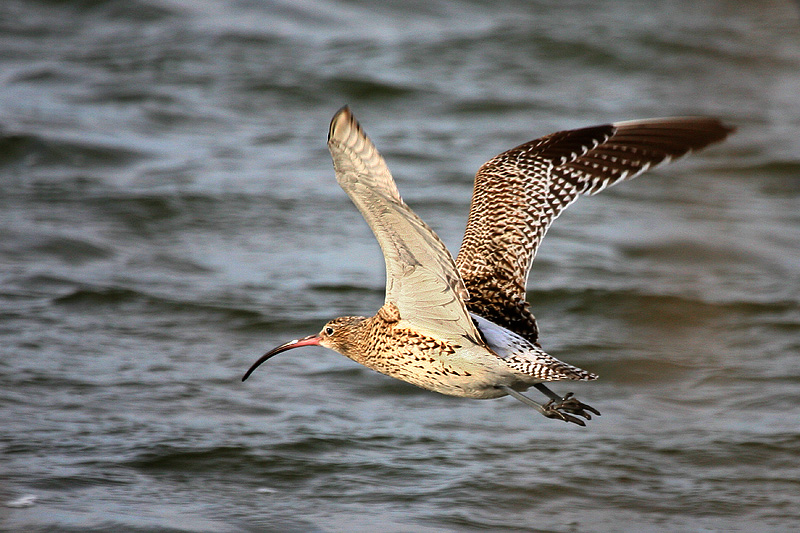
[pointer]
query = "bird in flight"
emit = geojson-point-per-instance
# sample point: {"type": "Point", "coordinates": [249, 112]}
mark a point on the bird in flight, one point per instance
{"type": "Point", "coordinates": [463, 327]}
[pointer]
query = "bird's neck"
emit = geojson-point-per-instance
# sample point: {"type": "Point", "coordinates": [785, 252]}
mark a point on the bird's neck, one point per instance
{"type": "Point", "coordinates": [366, 340]}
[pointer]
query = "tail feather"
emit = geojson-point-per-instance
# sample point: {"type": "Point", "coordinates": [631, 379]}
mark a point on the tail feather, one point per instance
{"type": "Point", "coordinates": [545, 367]}
{"type": "Point", "coordinates": [526, 357]}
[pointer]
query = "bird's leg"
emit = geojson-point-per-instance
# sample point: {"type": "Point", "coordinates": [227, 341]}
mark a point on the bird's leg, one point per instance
{"type": "Point", "coordinates": [546, 410]}
{"type": "Point", "coordinates": [568, 403]}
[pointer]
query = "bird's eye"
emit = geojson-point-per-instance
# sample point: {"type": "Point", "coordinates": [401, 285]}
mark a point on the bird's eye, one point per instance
{"type": "Point", "coordinates": [329, 331]}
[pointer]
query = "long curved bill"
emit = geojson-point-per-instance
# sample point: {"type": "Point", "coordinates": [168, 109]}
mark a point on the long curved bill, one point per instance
{"type": "Point", "coordinates": [311, 340]}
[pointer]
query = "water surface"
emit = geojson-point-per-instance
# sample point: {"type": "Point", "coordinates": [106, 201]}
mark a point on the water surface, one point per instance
{"type": "Point", "coordinates": [168, 212]}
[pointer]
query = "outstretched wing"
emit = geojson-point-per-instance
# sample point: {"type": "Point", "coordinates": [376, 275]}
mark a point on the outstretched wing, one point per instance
{"type": "Point", "coordinates": [421, 276]}
{"type": "Point", "coordinates": [520, 192]}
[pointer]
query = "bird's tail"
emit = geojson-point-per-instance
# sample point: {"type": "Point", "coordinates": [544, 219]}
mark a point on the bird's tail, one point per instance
{"type": "Point", "coordinates": [543, 366]}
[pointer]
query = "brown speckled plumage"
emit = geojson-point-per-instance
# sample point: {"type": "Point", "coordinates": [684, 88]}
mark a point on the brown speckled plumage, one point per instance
{"type": "Point", "coordinates": [464, 327]}
{"type": "Point", "coordinates": [384, 345]}
{"type": "Point", "coordinates": [520, 192]}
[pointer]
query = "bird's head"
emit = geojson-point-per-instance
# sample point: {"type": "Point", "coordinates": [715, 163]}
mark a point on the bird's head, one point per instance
{"type": "Point", "coordinates": [339, 335]}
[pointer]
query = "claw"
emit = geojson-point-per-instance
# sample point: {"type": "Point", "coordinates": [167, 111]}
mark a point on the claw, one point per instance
{"type": "Point", "coordinates": [552, 413]}
{"type": "Point", "coordinates": [568, 406]}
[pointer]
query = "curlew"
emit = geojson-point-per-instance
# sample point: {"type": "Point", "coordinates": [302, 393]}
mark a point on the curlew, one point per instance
{"type": "Point", "coordinates": [463, 327]}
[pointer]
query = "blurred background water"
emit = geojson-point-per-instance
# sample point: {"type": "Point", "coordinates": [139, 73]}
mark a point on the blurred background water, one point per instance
{"type": "Point", "coordinates": [168, 212]}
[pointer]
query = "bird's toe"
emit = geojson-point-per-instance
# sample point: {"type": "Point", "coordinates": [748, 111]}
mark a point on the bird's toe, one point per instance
{"type": "Point", "coordinates": [569, 405]}
{"type": "Point", "coordinates": [566, 417]}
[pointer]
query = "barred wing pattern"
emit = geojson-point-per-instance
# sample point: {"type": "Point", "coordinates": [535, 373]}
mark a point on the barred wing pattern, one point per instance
{"type": "Point", "coordinates": [421, 276]}
{"type": "Point", "coordinates": [520, 192]}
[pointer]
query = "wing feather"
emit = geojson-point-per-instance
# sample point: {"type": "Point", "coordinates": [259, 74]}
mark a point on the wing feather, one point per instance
{"type": "Point", "coordinates": [520, 192]}
{"type": "Point", "coordinates": [421, 276]}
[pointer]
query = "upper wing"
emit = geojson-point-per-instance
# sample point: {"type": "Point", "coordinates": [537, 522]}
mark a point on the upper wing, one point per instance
{"type": "Point", "coordinates": [421, 276]}
{"type": "Point", "coordinates": [520, 192]}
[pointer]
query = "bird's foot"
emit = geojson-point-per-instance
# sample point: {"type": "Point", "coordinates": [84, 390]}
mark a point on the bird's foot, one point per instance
{"type": "Point", "coordinates": [566, 407]}
{"type": "Point", "coordinates": [558, 407]}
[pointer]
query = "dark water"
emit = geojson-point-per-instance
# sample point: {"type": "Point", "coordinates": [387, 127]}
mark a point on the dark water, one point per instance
{"type": "Point", "coordinates": [168, 211]}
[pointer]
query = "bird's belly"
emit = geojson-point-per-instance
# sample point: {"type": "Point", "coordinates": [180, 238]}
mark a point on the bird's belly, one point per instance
{"type": "Point", "coordinates": [465, 386]}
{"type": "Point", "coordinates": [469, 372]}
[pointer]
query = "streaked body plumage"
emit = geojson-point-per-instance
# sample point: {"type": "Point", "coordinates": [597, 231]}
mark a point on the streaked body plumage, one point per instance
{"type": "Point", "coordinates": [463, 327]}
